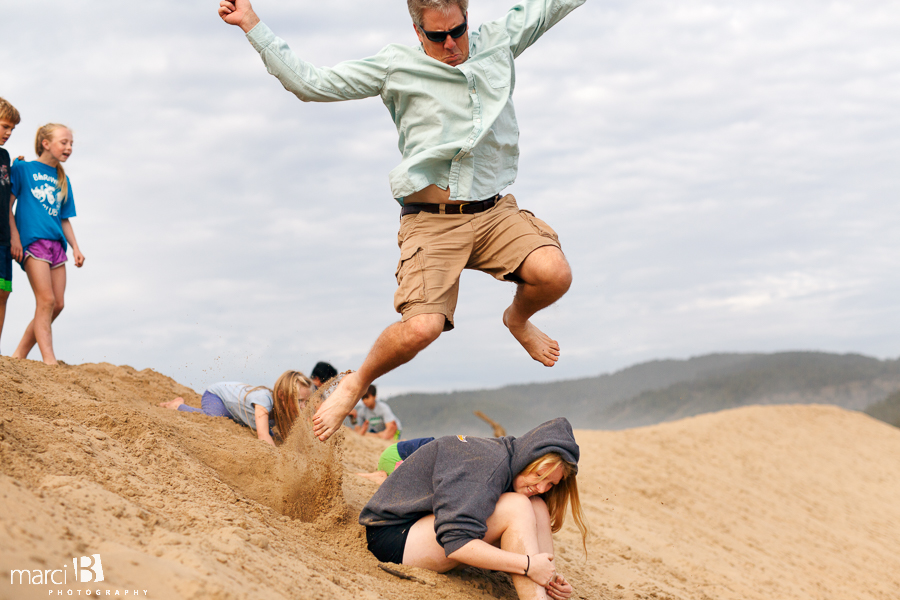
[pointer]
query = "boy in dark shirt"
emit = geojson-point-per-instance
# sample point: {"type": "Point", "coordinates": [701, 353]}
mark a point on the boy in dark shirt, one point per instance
{"type": "Point", "coordinates": [9, 118]}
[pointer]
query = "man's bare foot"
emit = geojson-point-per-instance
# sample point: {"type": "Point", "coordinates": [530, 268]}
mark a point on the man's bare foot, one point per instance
{"type": "Point", "coordinates": [330, 415]}
{"type": "Point", "coordinates": [173, 404]}
{"type": "Point", "coordinates": [537, 343]}
{"type": "Point", "coordinates": [378, 476]}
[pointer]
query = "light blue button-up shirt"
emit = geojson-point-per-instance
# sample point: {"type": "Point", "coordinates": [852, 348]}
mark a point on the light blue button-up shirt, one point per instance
{"type": "Point", "coordinates": [457, 125]}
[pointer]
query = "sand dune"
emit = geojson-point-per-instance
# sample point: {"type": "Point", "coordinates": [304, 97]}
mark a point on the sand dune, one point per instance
{"type": "Point", "coordinates": [776, 502]}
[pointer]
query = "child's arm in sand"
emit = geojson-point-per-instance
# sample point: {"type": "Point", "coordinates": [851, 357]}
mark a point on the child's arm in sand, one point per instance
{"type": "Point", "coordinates": [389, 430]}
{"type": "Point", "coordinates": [70, 237]}
{"type": "Point", "coordinates": [262, 424]}
{"type": "Point", "coordinates": [15, 242]}
{"type": "Point", "coordinates": [362, 428]}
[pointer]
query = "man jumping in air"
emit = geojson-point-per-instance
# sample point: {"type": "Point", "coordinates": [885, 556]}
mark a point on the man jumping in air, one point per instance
{"type": "Point", "coordinates": [451, 100]}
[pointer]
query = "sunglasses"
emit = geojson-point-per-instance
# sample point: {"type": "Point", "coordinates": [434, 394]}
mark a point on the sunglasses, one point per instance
{"type": "Point", "coordinates": [440, 36]}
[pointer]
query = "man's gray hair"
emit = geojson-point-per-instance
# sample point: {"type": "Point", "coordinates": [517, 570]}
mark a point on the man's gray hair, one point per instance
{"type": "Point", "coordinates": [416, 7]}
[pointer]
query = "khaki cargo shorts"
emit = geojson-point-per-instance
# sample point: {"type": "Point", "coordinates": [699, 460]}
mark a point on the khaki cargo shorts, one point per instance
{"type": "Point", "coordinates": [434, 249]}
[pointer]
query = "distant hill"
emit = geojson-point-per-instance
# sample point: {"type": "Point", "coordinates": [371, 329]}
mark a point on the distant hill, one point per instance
{"type": "Point", "coordinates": [658, 391]}
{"type": "Point", "coordinates": [888, 410]}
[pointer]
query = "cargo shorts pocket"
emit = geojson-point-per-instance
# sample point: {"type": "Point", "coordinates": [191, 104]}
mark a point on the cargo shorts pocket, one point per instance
{"type": "Point", "coordinates": [410, 277]}
{"type": "Point", "coordinates": [539, 226]}
{"type": "Point", "coordinates": [407, 224]}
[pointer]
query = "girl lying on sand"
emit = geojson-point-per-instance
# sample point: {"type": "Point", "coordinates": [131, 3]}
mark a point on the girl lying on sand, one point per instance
{"type": "Point", "coordinates": [259, 408]}
{"type": "Point", "coordinates": [491, 503]}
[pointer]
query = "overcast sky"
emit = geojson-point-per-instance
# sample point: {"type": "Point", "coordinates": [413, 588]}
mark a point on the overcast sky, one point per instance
{"type": "Point", "coordinates": [723, 177]}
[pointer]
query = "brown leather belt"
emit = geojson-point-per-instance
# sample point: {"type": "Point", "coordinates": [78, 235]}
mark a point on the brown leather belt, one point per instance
{"type": "Point", "coordinates": [469, 208]}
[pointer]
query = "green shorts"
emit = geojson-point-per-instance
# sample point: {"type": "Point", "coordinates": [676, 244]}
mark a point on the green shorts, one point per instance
{"type": "Point", "coordinates": [389, 459]}
{"type": "Point", "coordinates": [5, 269]}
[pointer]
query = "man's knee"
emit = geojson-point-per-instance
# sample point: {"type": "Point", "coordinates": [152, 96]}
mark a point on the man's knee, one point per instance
{"type": "Point", "coordinates": [547, 266]}
{"type": "Point", "coordinates": [558, 269]}
{"type": "Point", "coordinates": [421, 330]}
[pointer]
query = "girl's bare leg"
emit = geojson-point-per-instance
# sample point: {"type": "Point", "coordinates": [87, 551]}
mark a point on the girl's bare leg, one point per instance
{"type": "Point", "coordinates": [516, 526]}
{"type": "Point", "coordinates": [4, 295]}
{"type": "Point", "coordinates": [49, 286]}
{"type": "Point", "coordinates": [523, 528]}
{"type": "Point", "coordinates": [173, 404]}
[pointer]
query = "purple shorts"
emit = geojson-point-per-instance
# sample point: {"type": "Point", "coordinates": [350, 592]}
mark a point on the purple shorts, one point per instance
{"type": "Point", "coordinates": [49, 251]}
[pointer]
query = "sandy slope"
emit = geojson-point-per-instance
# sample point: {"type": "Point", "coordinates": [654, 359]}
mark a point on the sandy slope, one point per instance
{"type": "Point", "coordinates": [757, 503]}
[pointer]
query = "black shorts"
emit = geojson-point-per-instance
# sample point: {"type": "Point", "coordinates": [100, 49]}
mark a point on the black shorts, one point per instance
{"type": "Point", "coordinates": [387, 542]}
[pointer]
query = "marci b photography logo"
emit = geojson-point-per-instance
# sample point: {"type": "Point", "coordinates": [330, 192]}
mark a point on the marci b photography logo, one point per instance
{"type": "Point", "coordinates": [85, 569]}
{"type": "Point", "coordinates": [91, 569]}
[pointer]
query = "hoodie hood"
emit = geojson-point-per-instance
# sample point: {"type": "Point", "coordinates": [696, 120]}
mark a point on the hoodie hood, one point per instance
{"type": "Point", "coordinates": [552, 436]}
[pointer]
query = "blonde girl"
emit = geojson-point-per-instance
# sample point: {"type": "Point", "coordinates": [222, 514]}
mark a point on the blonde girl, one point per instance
{"type": "Point", "coordinates": [45, 204]}
{"type": "Point", "coordinates": [492, 503]}
{"type": "Point", "coordinates": [259, 408]}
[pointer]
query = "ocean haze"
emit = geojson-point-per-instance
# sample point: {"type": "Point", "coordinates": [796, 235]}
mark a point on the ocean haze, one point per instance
{"type": "Point", "coordinates": [721, 176]}
{"type": "Point", "coordinates": [661, 391]}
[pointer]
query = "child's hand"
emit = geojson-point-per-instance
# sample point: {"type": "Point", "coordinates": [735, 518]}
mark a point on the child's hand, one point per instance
{"type": "Point", "coordinates": [15, 248]}
{"type": "Point", "coordinates": [78, 256]}
{"type": "Point", "coordinates": [559, 588]}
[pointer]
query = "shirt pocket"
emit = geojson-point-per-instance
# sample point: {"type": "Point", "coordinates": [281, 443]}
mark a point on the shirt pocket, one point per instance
{"type": "Point", "coordinates": [497, 70]}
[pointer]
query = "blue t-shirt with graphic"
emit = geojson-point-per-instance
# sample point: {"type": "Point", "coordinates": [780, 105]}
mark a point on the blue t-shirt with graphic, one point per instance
{"type": "Point", "coordinates": [38, 212]}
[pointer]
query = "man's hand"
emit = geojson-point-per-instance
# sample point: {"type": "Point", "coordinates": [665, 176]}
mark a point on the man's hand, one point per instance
{"type": "Point", "coordinates": [239, 13]}
{"type": "Point", "coordinates": [559, 588]}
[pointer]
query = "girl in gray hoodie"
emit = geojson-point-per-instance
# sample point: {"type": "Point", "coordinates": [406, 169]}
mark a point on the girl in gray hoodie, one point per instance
{"type": "Point", "coordinates": [491, 503]}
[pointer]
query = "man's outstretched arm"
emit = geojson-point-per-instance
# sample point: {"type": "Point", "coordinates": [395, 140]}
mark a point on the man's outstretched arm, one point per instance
{"type": "Point", "coordinates": [239, 13]}
{"type": "Point", "coordinates": [530, 19]}
{"type": "Point", "coordinates": [349, 80]}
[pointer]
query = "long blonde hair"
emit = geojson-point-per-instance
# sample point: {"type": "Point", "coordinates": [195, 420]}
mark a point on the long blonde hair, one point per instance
{"type": "Point", "coordinates": [561, 495]}
{"type": "Point", "coordinates": [286, 402]}
{"type": "Point", "coordinates": [46, 133]}
{"type": "Point", "coordinates": [286, 394]}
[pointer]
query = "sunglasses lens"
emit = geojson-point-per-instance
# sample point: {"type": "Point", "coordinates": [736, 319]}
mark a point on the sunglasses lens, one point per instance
{"type": "Point", "coordinates": [440, 36]}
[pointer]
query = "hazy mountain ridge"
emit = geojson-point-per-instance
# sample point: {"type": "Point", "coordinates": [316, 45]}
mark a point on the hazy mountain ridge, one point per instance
{"type": "Point", "coordinates": [888, 410]}
{"type": "Point", "coordinates": [658, 391]}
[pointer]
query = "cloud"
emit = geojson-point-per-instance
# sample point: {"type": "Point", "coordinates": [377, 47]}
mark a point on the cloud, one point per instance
{"type": "Point", "coordinates": [721, 176]}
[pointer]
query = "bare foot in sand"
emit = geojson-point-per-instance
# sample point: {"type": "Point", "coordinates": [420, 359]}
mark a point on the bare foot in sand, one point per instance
{"type": "Point", "coordinates": [173, 404]}
{"type": "Point", "coordinates": [330, 416]}
{"type": "Point", "coordinates": [378, 476]}
{"type": "Point", "coordinates": [537, 343]}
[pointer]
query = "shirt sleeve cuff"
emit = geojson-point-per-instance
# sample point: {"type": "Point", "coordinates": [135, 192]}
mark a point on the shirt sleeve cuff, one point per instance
{"type": "Point", "coordinates": [260, 36]}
